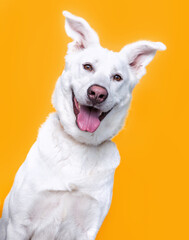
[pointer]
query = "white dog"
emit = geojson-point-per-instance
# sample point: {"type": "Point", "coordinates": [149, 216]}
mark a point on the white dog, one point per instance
{"type": "Point", "coordinates": [63, 190]}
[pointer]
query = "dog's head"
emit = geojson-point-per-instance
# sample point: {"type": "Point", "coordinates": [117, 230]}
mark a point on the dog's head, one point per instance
{"type": "Point", "coordinates": [93, 94]}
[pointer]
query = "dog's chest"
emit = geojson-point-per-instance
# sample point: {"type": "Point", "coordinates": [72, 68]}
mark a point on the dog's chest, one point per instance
{"type": "Point", "coordinates": [77, 182]}
{"type": "Point", "coordinates": [86, 172]}
{"type": "Point", "coordinates": [82, 208]}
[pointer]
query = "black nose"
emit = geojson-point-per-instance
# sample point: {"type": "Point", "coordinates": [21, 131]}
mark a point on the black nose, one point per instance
{"type": "Point", "coordinates": [97, 94]}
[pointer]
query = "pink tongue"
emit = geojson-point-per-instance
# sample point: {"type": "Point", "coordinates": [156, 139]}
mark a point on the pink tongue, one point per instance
{"type": "Point", "coordinates": [87, 119]}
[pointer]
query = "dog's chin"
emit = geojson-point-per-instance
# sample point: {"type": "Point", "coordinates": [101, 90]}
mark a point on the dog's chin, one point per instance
{"type": "Point", "coordinates": [88, 118]}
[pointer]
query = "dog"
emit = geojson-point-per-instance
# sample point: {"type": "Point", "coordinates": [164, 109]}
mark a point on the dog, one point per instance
{"type": "Point", "coordinates": [63, 190]}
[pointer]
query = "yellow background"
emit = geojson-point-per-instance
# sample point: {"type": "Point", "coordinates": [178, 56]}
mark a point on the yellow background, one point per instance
{"type": "Point", "coordinates": [150, 199]}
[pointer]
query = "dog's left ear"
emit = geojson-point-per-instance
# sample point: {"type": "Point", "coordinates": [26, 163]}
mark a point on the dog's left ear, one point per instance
{"type": "Point", "coordinates": [80, 31]}
{"type": "Point", "coordinates": [140, 54]}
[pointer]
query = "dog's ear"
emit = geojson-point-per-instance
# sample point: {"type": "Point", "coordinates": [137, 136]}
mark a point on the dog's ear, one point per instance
{"type": "Point", "coordinates": [80, 31]}
{"type": "Point", "coordinates": [140, 54]}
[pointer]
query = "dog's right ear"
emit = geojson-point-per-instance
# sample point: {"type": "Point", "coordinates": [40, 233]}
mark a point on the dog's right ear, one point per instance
{"type": "Point", "coordinates": [80, 31]}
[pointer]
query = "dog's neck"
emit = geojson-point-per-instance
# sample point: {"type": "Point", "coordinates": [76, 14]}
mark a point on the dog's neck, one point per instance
{"type": "Point", "coordinates": [58, 148]}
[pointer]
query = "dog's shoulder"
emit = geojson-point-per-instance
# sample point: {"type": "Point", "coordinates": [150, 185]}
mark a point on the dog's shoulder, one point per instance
{"type": "Point", "coordinates": [109, 153]}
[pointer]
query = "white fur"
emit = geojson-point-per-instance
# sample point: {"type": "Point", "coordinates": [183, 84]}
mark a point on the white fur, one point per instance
{"type": "Point", "coordinates": [63, 190]}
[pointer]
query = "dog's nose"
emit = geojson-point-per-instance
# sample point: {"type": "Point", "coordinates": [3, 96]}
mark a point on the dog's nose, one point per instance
{"type": "Point", "coordinates": [97, 94]}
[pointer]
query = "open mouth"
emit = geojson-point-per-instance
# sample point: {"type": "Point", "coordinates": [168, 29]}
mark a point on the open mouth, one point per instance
{"type": "Point", "coordinates": [87, 118]}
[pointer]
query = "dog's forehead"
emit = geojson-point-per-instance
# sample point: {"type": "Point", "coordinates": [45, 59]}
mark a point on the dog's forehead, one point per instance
{"type": "Point", "coordinates": [103, 56]}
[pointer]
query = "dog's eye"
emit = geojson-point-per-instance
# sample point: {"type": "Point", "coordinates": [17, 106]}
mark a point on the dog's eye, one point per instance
{"type": "Point", "coordinates": [117, 77]}
{"type": "Point", "coordinates": [88, 67]}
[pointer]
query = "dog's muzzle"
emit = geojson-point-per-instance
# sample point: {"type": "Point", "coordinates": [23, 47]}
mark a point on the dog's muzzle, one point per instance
{"type": "Point", "coordinates": [88, 118]}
